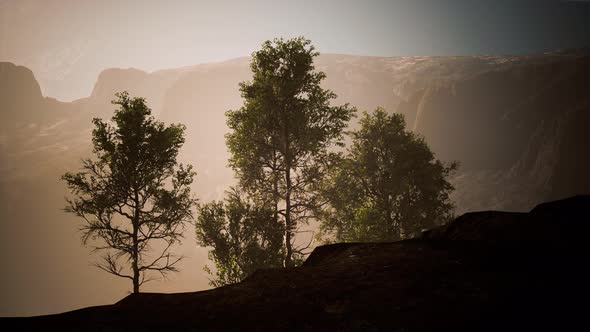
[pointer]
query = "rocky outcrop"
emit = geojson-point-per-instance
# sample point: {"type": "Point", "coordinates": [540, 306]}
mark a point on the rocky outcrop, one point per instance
{"type": "Point", "coordinates": [25, 113]}
{"type": "Point", "coordinates": [115, 80]}
{"type": "Point", "coordinates": [484, 271]}
{"type": "Point", "coordinates": [20, 95]}
{"type": "Point", "coordinates": [152, 86]}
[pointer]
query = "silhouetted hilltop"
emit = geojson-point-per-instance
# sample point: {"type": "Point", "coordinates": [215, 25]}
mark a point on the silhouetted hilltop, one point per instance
{"type": "Point", "coordinates": [20, 94]}
{"type": "Point", "coordinates": [484, 271]}
{"type": "Point", "coordinates": [28, 120]}
{"type": "Point", "coordinates": [22, 83]}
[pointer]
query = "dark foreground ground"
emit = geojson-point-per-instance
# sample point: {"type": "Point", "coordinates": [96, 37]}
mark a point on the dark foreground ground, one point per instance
{"type": "Point", "coordinates": [493, 271]}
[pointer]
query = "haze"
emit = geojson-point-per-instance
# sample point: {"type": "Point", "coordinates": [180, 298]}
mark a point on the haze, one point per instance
{"type": "Point", "coordinates": [69, 45]}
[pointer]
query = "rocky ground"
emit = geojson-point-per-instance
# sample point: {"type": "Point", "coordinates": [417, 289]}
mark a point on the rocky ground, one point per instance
{"type": "Point", "coordinates": [495, 271]}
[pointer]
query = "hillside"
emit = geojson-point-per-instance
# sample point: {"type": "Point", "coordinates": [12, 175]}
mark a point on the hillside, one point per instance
{"type": "Point", "coordinates": [517, 125]}
{"type": "Point", "coordinates": [484, 271]}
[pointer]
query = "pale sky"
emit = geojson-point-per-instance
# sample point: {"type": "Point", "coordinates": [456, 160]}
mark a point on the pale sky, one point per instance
{"type": "Point", "coordinates": [68, 42]}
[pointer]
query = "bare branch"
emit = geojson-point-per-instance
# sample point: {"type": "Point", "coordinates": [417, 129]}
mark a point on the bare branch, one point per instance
{"type": "Point", "coordinates": [110, 266]}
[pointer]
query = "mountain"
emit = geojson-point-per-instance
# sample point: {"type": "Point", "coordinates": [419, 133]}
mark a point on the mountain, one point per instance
{"type": "Point", "coordinates": [485, 271]}
{"type": "Point", "coordinates": [517, 125]}
{"type": "Point", "coordinates": [519, 129]}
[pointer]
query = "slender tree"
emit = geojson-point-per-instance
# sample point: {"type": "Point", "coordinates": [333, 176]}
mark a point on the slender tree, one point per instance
{"type": "Point", "coordinates": [388, 186]}
{"type": "Point", "coordinates": [241, 236]}
{"type": "Point", "coordinates": [134, 194]}
{"type": "Point", "coordinates": [280, 136]}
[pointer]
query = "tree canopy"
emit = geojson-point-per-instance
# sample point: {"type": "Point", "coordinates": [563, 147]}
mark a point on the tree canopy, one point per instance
{"type": "Point", "coordinates": [134, 198]}
{"type": "Point", "coordinates": [388, 186]}
{"type": "Point", "coordinates": [242, 236]}
{"type": "Point", "coordinates": [279, 138]}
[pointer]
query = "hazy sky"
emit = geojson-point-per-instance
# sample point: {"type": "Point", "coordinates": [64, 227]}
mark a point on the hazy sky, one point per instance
{"type": "Point", "coordinates": [68, 42]}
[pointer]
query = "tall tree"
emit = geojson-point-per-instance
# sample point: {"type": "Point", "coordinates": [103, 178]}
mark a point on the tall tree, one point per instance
{"type": "Point", "coordinates": [134, 194]}
{"type": "Point", "coordinates": [388, 186]}
{"type": "Point", "coordinates": [280, 136]}
{"type": "Point", "coordinates": [242, 236]}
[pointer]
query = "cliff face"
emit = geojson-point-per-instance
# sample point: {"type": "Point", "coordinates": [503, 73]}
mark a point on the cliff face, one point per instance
{"type": "Point", "coordinates": [20, 95]}
{"type": "Point", "coordinates": [518, 130]}
{"type": "Point", "coordinates": [485, 271]}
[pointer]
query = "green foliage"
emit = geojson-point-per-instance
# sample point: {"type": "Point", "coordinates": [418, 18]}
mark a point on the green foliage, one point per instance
{"type": "Point", "coordinates": [242, 235]}
{"type": "Point", "coordinates": [134, 193]}
{"type": "Point", "coordinates": [388, 186]}
{"type": "Point", "coordinates": [279, 137]}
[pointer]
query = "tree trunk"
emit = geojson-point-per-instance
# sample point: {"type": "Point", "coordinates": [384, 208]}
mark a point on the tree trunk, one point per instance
{"type": "Point", "coordinates": [288, 222]}
{"type": "Point", "coordinates": [135, 275]}
{"type": "Point", "coordinates": [135, 258]}
{"type": "Point", "coordinates": [276, 198]}
{"type": "Point", "coordinates": [288, 225]}
{"type": "Point", "coordinates": [135, 263]}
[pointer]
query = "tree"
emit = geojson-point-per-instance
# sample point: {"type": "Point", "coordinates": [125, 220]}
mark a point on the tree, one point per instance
{"type": "Point", "coordinates": [279, 137]}
{"type": "Point", "coordinates": [241, 236]}
{"type": "Point", "coordinates": [134, 194]}
{"type": "Point", "coordinates": [388, 186]}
